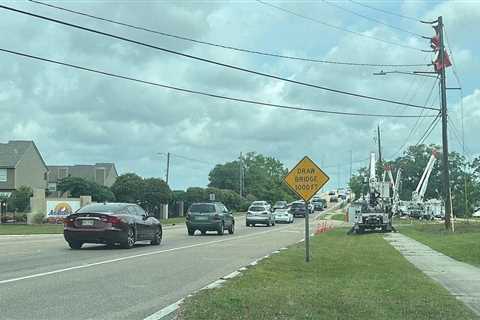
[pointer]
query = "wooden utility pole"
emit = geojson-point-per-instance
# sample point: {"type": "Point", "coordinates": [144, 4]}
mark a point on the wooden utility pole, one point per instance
{"type": "Point", "coordinates": [443, 96]}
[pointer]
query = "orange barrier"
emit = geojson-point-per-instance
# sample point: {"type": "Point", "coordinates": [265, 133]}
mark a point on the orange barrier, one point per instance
{"type": "Point", "coordinates": [322, 227]}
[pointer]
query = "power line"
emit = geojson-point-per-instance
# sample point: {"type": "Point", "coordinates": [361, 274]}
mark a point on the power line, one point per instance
{"type": "Point", "coordinates": [212, 61]}
{"type": "Point", "coordinates": [224, 46]}
{"type": "Point", "coordinates": [387, 12]}
{"type": "Point", "coordinates": [417, 122]}
{"type": "Point", "coordinates": [191, 159]}
{"type": "Point", "coordinates": [429, 130]}
{"type": "Point", "coordinates": [202, 93]}
{"type": "Point", "coordinates": [337, 27]}
{"type": "Point", "coordinates": [375, 20]}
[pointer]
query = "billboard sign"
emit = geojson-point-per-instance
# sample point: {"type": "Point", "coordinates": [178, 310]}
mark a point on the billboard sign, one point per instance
{"type": "Point", "coordinates": [61, 208]}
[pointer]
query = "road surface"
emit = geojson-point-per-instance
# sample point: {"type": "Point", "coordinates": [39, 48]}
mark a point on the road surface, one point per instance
{"type": "Point", "coordinates": [42, 278]}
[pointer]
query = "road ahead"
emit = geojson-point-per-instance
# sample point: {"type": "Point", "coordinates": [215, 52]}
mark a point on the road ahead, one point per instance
{"type": "Point", "coordinates": [41, 278]}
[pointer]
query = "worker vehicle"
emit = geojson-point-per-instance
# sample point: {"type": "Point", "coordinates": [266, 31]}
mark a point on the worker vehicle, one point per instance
{"type": "Point", "coordinates": [111, 224]}
{"type": "Point", "coordinates": [209, 217]}
{"type": "Point", "coordinates": [374, 210]}
{"type": "Point", "coordinates": [257, 214]}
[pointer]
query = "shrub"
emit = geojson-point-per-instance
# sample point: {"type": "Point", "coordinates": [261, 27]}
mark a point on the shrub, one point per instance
{"type": "Point", "coordinates": [38, 218]}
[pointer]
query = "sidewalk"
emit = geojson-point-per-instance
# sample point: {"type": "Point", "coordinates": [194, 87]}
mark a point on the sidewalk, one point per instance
{"type": "Point", "coordinates": [460, 279]}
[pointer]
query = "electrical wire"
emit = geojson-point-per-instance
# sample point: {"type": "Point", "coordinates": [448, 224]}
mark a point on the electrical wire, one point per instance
{"type": "Point", "coordinates": [417, 122]}
{"type": "Point", "coordinates": [212, 61]}
{"type": "Point", "coordinates": [191, 159]}
{"type": "Point", "coordinates": [375, 20]}
{"type": "Point", "coordinates": [429, 130]}
{"type": "Point", "coordinates": [202, 93]}
{"type": "Point", "coordinates": [224, 46]}
{"type": "Point", "coordinates": [337, 27]}
{"type": "Point", "coordinates": [385, 11]}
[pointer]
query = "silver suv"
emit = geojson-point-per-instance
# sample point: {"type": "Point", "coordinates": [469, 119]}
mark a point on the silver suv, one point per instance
{"type": "Point", "coordinates": [260, 215]}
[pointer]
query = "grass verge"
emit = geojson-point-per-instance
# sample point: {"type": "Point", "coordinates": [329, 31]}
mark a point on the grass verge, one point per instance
{"type": "Point", "coordinates": [338, 216]}
{"type": "Point", "coordinates": [462, 245]}
{"type": "Point", "coordinates": [349, 277]}
{"type": "Point", "coordinates": [23, 229]}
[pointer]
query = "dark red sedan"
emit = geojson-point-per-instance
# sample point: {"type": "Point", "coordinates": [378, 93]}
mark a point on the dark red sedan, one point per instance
{"type": "Point", "coordinates": [111, 224]}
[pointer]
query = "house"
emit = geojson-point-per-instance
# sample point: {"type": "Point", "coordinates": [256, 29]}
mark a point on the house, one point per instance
{"type": "Point", "coordinates": [104, 174]}
{"type": "Point", "coordinates": [21, 164]}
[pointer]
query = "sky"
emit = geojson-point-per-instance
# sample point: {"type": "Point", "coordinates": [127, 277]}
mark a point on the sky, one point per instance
{"type": "Point", "coordinates": [77, 117]}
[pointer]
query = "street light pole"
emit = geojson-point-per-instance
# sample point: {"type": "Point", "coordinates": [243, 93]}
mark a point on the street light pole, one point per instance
{"type": "Point", "coordinates": [443, 91]}
{"type": "Point", "coordinates": [168, 167]}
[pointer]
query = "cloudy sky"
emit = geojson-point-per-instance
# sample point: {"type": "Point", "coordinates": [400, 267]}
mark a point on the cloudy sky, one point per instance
{"type": "Point", "coordinates": [77, 117]}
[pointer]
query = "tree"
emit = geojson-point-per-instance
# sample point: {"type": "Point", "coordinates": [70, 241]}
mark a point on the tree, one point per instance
{"type": "Point", "coordinates": [263, 177]}
{"type": "Point", "coordinates": [155, 193]}
{"type": "Point", "coordinates": [129, 188]}
{"type": "Point", "coordinates": [19, 200]}
{"type": "Point", "coordinates": [77, 187]}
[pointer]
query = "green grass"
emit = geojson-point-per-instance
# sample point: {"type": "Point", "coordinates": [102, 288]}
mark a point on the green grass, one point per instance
{"type": "Point", "coordinates": [349, 277]}
{"type": "Point", "coordinates": [30, 229]}
{"type": "Point", "coordinates": [338, 216]}
{"type": "Point", "coordinates": [462, 245]}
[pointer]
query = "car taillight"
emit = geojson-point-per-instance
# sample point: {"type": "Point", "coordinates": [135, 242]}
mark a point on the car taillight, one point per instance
{"type": "Point", "coordinates": [111, 219]}
{"type": "Point", "coordinates": [68, 222]}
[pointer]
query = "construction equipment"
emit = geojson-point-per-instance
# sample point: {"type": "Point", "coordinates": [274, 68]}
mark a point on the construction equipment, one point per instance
{"type": "Point", "coordinates": [417, 207]}
{"type": "Point", "coordinates": [374, 210]}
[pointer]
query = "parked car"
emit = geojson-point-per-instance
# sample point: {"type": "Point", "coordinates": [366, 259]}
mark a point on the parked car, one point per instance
{"type": "Point", "coordinates": [331, 193]}
{"type": "Point", "coordinates": [259, 215]}
{"type": "Point", "coordinates": [298, 209]}
{"type": "Point", "coordinates": [283, 215]}
{"type": "Point", "coordinates": [213, 216]}
{"type": "Point", "coordinates": [333, 199]}
{"type": "Point", "coordinates": [111, 223]}
{"type": "Point", "coordinates": [280, 205]}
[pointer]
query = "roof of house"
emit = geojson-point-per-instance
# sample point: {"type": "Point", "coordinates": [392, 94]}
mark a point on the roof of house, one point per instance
{"type": "Point", "coordinates": [12, 152]}
{"type": "Point", "coordinates": [108, 166]}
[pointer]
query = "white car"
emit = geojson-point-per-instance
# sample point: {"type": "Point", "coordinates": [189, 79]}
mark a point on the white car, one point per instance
{"type": "Point", "coordinates": [284, 215]}
{"type": "Point", "coordinates": [476, 214]}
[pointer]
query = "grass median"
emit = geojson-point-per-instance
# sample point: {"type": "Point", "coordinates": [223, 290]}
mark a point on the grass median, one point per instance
{"type": "Point", "coordinates": [349, 277]}
{"type": "Point", "coordinates": [462, 245]}
{"type": "Point", "coordinates": [25, 229]}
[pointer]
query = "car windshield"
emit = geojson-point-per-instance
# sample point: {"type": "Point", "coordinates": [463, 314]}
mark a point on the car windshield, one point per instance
{"type": "Point", "coordinates": [101, 207]}
{"type": "Point", "coordinates": [202, 208]}
{"type": "Point", "coordinates": [298, 205]}
{"type": "Point", "coordinates": [280, 203]}
{"type": "Point", "coordinates": [281, 211]}
{"type": "Point", "coordinates": [256, 209]}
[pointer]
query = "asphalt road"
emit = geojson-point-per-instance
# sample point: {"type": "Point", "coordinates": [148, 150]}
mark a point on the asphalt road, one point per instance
{"type": "Point", "coordinates": [41, 278]}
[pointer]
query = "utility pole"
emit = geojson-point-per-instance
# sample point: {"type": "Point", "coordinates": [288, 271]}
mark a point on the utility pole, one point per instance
{"type": "Point", "coordinates": [443, 91]}
{"type": "Point", "coordinates": [379, 145]}
{"type": "Point", "coordinates": [168, 167]}
{"type": "Point", "coordinates": [241, 175]}
{"type": "Point", "coordinates": [351, 164]}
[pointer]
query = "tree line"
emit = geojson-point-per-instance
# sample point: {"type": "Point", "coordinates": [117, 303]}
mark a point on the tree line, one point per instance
{"type": "Point", "coordinates": [263, 180]}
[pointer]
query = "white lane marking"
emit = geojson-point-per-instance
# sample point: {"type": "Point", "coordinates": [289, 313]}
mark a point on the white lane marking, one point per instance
{"type": "Point", "coordinates": [165, 311]}
{"type": "Point", "coordinates": [42, 274]}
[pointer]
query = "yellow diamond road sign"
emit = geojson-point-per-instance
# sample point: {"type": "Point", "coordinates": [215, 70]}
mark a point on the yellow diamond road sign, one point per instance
{"type": "Point", "coordinates": [306, 178]}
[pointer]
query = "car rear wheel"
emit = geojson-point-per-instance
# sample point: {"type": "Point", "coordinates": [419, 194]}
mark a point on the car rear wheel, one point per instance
{"type": "Point", "coordinates": [75, 244]}
{"type": "Point", "coordinates": [129, 240]}
{"type": "Point", "coordinates": [157, 238]}
{"type": "Point", "coordinates": [221, 229]}
{"type": "Point", "coordinates": [231, 230]}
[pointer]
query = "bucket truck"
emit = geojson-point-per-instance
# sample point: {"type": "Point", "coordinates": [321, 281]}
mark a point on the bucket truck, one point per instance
{"type": "Point", "coordinates": [374, 210]}
{"type": "Point", "coordinates": [417, 208]}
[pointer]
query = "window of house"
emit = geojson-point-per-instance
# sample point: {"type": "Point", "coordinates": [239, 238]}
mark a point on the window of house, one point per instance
{"type": "Point", "coordinates": [3, 175]}
{"type": "Point", "coordinates": [52, 187]}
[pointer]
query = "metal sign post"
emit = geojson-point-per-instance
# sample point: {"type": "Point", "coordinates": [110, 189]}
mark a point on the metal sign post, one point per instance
{"type": "Point", "coordinates": [306, 179]}
{"type": "Point", "coordinates": [307, 234]}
